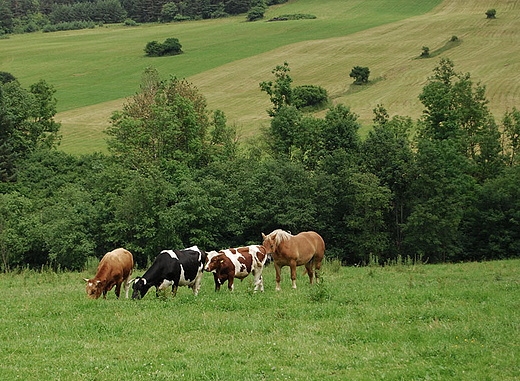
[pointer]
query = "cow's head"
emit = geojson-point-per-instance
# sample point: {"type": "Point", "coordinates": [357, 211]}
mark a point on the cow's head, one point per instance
{"type": "Point", "coordinates": [214, 262]}
{"type": "Point", "coordinates": [94, 288]}
{"type": "Point", "coordinates": [209, 258]}
{"type": "Point", "coordinates": [140, 287]}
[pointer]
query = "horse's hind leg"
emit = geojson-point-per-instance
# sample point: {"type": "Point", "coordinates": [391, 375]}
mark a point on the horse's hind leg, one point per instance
{"type": "Point", "coordinates": [317, 269]}
{"type": "Point", "coordinates": [308, 267]}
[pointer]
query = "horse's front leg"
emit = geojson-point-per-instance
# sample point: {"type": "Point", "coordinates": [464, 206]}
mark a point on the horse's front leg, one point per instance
{"type": "Point", "coordinates": [293, 273]}
{"type": "Point", "coordinates": [277, 268]}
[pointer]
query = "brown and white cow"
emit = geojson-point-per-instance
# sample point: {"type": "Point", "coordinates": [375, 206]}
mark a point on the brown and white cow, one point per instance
{"type": "Point", "coordinates": [229, 264]}
{"type": "Point", "coordinates": [114, 269]}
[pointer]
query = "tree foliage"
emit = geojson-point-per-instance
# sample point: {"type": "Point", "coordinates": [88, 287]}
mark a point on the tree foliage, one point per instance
{"type": "Point", "coordinates": [360, 74]}
{"type": "Point", "coordinates": [442, 189]}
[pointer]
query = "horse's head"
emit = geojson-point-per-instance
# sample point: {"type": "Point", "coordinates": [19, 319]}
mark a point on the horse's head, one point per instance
{"type": "Point", "coordinates": [269, 243]}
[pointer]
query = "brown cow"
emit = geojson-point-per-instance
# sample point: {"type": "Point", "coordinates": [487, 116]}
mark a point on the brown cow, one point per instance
{"type": "Point", "coordinates": [114, 268]}
{"type": "Point", "coordinates": [237, 263]}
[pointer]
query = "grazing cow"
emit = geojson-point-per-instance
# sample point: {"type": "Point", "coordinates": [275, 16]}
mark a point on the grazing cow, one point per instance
{"type": "Point", "coordinates": [237, 263]}
{"type": "Point", "coordinates": [172, 268]}
{"type": "Point", "coordinates": [114, 268]}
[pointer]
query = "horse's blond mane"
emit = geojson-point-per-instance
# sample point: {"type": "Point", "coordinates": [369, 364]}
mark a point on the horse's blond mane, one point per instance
{"type": "Point", "coordinates": [281, 236]}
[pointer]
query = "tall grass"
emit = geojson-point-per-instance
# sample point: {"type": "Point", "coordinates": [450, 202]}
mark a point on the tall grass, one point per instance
{"type": "Point", "coordinates": [457, 322]}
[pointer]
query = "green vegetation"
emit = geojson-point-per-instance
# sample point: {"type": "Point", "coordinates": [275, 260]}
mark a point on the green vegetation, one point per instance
{"type": "Point", "coordinates": [310, 97]}
{"type": "Point", "coordinates": [360, 74]}
{"type": "Point", "coordinates": [453, 42]}
{"type": "Point", "coordinates": [491, 14]}
{"type": "Point", "coordinates": [294, 16]}
{"type": "Point", "coordinates": [176, 176]}
{"type": "Point", "coordinates": [170, 47]}
{"type": "Point", "coordinates": [456, 321]}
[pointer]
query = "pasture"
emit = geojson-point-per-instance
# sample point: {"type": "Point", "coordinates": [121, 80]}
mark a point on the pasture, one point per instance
{"type": "Point", "coordinates": [399, 322]}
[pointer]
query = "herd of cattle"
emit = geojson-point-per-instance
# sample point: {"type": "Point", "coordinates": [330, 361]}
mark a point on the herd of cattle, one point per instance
{"type": "Point", "coordinates": [185, 267]}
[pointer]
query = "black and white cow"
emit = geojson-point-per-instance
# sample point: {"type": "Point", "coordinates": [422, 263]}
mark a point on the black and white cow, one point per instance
{"type": "Point", "coordinates": [172, 268]}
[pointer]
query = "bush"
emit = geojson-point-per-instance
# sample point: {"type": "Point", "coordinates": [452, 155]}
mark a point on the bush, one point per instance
{"type": "Point", "coordinates": [360, 74]}
{"type": "Point", "coordinates": [491, 14]}
{"type": "Point", "coordinates": [308, 96]}
{"type": "Point", "coordinates": [73, 25]}
{"type": "Point", "coordinates": [130, 22]}
{"type": "Point", "coordinates": [179, 18]}
{"type": "Point", "coordinates": [170, 47]}
{"type": "Point", "coordinates": [425, 51]}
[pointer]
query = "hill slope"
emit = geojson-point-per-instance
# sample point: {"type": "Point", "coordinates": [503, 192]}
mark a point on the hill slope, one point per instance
{"type": "Point", "coordinates": [489, 51]}
{"type": "Point", "coordinates": [226, 59]}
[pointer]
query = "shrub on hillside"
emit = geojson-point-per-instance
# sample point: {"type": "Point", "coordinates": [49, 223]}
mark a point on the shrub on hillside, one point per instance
{"type": "Point", "coordinates": [491, 14]}
{"type": "Point", "coordinates": [425, 52]}
{"type": "Point", "coordinates": [309, 96]}
{"type": "Point", "coordinates": [73, 25]}
{"type": "Point", "coordinates": [170, 47]}
{"type": "Point", "coordinates": [130, 22]}
{"type": "Point", "coordinates": [360, 74]}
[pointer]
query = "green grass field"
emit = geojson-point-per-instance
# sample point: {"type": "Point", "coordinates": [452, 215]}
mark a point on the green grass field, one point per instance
{"type": "Point", "coordinates": [422, 322]}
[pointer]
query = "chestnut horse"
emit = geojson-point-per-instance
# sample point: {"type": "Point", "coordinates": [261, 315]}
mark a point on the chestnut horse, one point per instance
{"type": "Point", "coordinates": [306, 248]}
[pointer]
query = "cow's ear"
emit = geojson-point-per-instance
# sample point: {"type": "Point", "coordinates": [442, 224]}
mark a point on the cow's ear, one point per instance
{"type": "Point", "coordinates": [85, 279]}
{"type": "Point", "coordinates": [264, 236]}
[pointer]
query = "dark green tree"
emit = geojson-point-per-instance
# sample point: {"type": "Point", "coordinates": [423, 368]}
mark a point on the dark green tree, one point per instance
{"type": "Point", "coordinates": [457, 109]}
{"type": "Point", "coordinates": [360, 74]}
{"type": "Point", "coordinates": [442, 190]}
{"type": "Point", "coordinates": [26, 122]}
{"type": "Point", "coordinates": [388, 154]}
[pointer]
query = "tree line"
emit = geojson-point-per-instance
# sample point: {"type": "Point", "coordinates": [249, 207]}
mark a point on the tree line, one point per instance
{"type": "Point", "coordinates": [24, 16]}
{"type": "Point", "coordinates": [442, 188]}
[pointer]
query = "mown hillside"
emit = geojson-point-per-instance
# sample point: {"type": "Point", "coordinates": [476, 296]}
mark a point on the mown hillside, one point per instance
{"type": "Point", "coordinates": [488, 50]}
{"type": "Point", "coordinates": [92, 67]}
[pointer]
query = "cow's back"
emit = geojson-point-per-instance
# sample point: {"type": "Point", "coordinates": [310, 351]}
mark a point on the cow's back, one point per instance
{"type": "Point", "coordinates": [192, 261]}
{"type": "Point", "coordinates": [118, 261]}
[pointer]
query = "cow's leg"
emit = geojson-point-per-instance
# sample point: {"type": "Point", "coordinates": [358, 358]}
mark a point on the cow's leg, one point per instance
{"type": "Point", "coordinates": [105, 293]}
{"type": "Point", "coordinates": [174, 290]}
{"type": "Point", "coordinates": [278, 269]}
{"type": "Point", "coordinates": [217, 282]}
{"type": "Point", "coordinates": [126, 286]}
{"type": "Point", "coordinates": [230, 283]}
{"type": "Point", "coordinates": [308, 267]}
{"type": "Point", "coordinates": [196, 285]}
{"type": "Point", "coordinates": [259, 283]}
{"type": "Point", "coordinates": [118, 290]}
{"type": "Point", "coordinates": [293, 273]}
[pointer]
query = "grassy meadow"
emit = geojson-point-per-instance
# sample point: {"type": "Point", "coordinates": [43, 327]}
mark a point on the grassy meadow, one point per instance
{"type": "Point", "coordinates": [400, 322]}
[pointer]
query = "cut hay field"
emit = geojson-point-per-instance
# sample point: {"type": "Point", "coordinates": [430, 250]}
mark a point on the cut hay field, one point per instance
{"type": "Point", "coordinates": [93, 70]}
{"type": "Point", "coordinates": [400, 322]}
